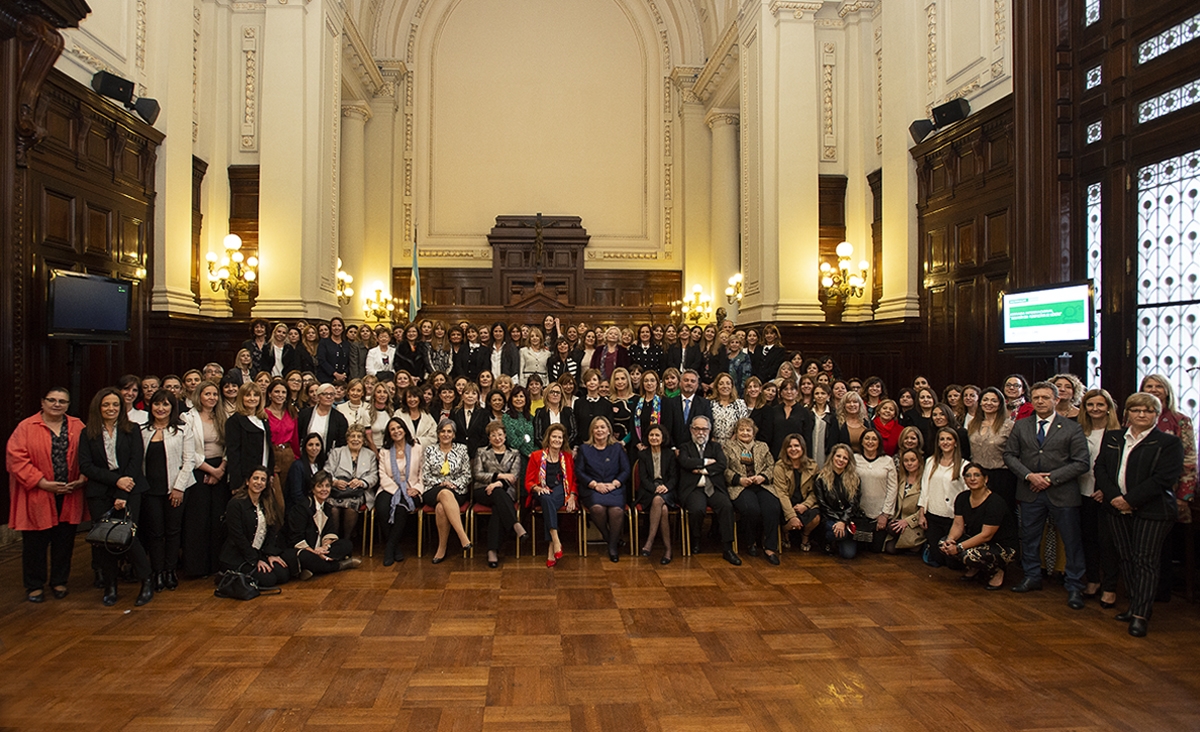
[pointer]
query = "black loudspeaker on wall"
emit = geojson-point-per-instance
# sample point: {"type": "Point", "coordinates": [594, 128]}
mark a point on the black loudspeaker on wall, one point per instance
{"type": "Point", "coordinates": [950, 112]}
{"type": "Point", "coordinates": [147, 109]}
{"type": "Point", "coordinates": [113, 87]}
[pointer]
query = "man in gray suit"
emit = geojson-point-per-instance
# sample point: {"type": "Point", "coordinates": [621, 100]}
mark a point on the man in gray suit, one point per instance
{"type": "Point", "coordinates": [1048, 453]}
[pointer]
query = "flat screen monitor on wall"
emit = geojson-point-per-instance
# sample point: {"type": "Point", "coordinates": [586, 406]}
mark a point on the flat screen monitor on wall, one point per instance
{"type": "Point", "coordinates": [88, 307]}
{"type": "Point", "coordinates": [1048, 320]}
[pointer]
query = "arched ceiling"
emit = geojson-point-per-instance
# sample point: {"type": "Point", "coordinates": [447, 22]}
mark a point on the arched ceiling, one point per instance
{"type": "Point", "coordinates": [692, 26]}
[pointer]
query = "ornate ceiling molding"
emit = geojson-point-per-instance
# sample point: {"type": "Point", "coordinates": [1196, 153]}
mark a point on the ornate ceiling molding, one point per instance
{"type": "Point", "coordinates": [358, 59]}
{"type": "Point", "coordinates": [723, 59]}
{"type": "Point", "coordinates": [798, 9]}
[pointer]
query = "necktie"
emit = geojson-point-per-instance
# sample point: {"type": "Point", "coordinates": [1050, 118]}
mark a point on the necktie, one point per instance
{"type": "Point", "coordinates": [687, 409]}
{"type": "Point", "coordinates": [1041, 436]}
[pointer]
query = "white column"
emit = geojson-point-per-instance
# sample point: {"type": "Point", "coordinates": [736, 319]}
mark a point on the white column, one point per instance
{"type": "Point", "coordinates": [725, 225]}
{"type": "Point", "coordinates": [222, 81]}
{"type": "Point", "coordinates": [780, 136]}
{"type": "Point", "coordinates": [383, 163]}
{"type": "Point", "coordinates": [298, 160]}
{"type": "Point", "coordinates": [353, 222]}
{"type": "Point", "coordinates": [697, 246]}
{"type": "Point", "coordinates": [797, 106]}
{"type": "Point", "coordinates": [858, 145]}
{"type": "Point", "coordinates": [904, 59]}
{"type": "Point", "coordinates": [172, 25]}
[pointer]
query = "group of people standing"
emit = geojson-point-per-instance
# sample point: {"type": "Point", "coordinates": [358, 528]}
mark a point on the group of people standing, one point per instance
{"type": "Point", "coordinates": [267, 467]}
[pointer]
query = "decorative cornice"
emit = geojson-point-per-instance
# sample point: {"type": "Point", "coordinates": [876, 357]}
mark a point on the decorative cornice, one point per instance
{"type": "Point", "coordinates": [594, 254]}
{"type": "Point", "coordinates": [723, 58]}
{"type": "Point", "coordinates": [854, 6]}
{"type": "Point", "coordinates": [449, 253]}
{"type": "Point", "coordinates": [358, 58]}
{"type": "Point", "coordinates": [797, 8]}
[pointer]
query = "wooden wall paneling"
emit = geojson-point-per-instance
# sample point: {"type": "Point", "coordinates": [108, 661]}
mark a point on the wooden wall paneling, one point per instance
{"type": "Point", "coordinates": [966, 191]}
{"type": "Point", "coordinates": [831, 208]}
{"type": "Point", "coordinates": [895, 351]}
{"type": "Point", "coordinates": [608, 296]}
{"type": "Point", "coordinates": [243, 221]}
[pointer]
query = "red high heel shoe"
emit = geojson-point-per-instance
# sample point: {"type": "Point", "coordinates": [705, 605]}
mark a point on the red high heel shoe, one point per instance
{"type": "Point", "coordinates": [551, 562]}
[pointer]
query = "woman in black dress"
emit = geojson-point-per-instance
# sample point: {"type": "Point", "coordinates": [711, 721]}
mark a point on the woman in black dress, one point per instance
{"type": "Point", "coordinates": [658, 476]}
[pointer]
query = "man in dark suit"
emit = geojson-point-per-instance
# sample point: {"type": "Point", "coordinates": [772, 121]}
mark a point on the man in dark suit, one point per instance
{"type": "Point", "coordinates": [1048, 453]}
{"type": "Point", "coordinates": [702, 486]}
{"type": "Point", "coordinates": [1136, 471]}
{"type": "Point", "coordinates": [680, 410]}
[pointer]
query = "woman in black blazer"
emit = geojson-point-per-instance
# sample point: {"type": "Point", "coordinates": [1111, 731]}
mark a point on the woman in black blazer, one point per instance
{"type": "Point", "coordinates": [312, 547]}
{"type": "Point", "coordinates": [110, 455]}
{"type": "Point", "coordinates": [555, 406]}
{"type": "Point", "coordinates": [248, 436]}
{"type": "Point", "coordinates": [1140, 500]}
{"type": "Point", "coordinates": [658, 478]}
{"type": "Point", "coordinates": [278, 353]}
{"type": "Point", "coordinates": [255, 501]}
{"type": "Point", "coordinates": [336, 423]}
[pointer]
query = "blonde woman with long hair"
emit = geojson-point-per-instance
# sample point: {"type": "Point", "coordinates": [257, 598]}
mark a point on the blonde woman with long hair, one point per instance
{"type": "Point", "coordinates": [836, 488]}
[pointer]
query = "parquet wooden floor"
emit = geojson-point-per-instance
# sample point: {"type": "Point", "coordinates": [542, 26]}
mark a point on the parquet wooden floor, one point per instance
{"type": "Point", "coordinates": [879, 643]}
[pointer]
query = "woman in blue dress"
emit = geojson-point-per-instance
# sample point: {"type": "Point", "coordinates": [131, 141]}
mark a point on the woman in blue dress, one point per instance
{"type": "Point", "coordinates": [602, 473]}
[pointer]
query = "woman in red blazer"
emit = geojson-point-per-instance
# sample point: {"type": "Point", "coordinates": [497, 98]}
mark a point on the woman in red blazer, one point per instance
{"type": "Point", "coordinates": [45, 500]}
{"type": "Point", "coordinates": [550, 480]}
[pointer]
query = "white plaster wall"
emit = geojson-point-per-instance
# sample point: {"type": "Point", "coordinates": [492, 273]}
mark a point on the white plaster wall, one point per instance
{"type": "Point", "coordinates": [540, 106]}
{"type": "Point", "coordinates": [112, 38]}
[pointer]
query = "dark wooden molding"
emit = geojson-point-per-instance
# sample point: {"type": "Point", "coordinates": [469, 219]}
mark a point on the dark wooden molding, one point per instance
{"type": "Point", "coordinates": [831, 215]}
{"type": "Point", "coordinates": [198, 266]}
{"type": "Point", "coordinates": [875, 183]}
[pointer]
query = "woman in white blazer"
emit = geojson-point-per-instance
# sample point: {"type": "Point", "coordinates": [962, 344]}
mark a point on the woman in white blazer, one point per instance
{"type": "Point", "coordinates": [400, 487]}
{"type": "Point", "coordinates": [941, 483]}
{"type": "Point", "coordinates": [419, 423]}
{"type": "Point", "coordinates": [383, 356]}
{"type": "Point", "coordinates": [168, 460]}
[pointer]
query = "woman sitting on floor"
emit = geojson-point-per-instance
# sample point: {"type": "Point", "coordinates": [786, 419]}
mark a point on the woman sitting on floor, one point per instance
{"type": "Point", "coordinates": [314, 547]}
{"type": "Point", "coordinates": [984, 535]}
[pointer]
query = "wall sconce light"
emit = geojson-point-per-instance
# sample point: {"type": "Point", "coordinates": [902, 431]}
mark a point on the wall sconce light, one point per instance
{"type": "Point", "coordinates": [694, 308]}
{"type": "Point", "coordinates": [733, 293]}
{"type": "Point", "coordinates": [381, 308]}
{"type": "Point", "coordinates": [343, 288]}
{"type": "Point", "coordinates": [841, 283]}
{"type": "Point", "coordinates": [233, 272]}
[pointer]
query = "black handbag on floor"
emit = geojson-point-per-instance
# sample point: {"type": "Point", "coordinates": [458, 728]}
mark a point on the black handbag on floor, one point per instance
{"type": "Point", "coordinates": [114, 534]}
{"type": "Point", "coordinates": [239, 585]}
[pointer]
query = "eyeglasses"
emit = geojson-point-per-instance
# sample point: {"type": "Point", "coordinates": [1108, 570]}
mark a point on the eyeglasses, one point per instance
{"type": "Point", "coordinates": [1140, 410]}
{"type": "Point", "coordinates": [48, 400]}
